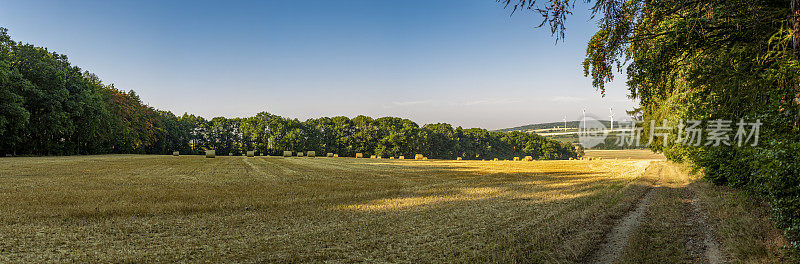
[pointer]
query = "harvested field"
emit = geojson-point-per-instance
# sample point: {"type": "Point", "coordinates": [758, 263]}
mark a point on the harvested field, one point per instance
{"type": "Point", "coordinates": [623, 154]}
{"type": "Point", "coordinates": [134, 208]}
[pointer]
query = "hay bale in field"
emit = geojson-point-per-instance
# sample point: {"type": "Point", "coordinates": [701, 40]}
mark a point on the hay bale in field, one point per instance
{"type": "Point", "coordinates": [176, 153]}
{"type": "Point", "coordinates": [458, 158]}
{"type": "Point", "coordinates": [495, 159]}
{"type": "Point", "coordinates": [359, 155]}
{"type": "Point", "coordinates": [335, 155]}
{"type": "Point", "coordinates": [516, 158]}
{"type": "Point", "coordinates": [418, 156]}
{"type": "Point", "coordinates": [211, 153]}
{"type": "Point", "coordinates": [391, 157]}
{"type": "Point", "coordinates": [570, 158]}
{"type": "Point", "coordinates": [251, 153]}
{"type": "Point", "coordinates": [299, 153]}
{"type": "Point", "coordinates": [401, 157]}
{"type": "Point", "coordinates": [424, 158]}
{"type": "Point", "coordinates": [329, 155]}
{"type": "Point", "coordinates": [311, 154]}
{"type": "Point", "coordinates": [373, 157]}
{"type": "Point", "coordinates": [287, 153]}
{"type": "Point", "coordinates": [528, 158]}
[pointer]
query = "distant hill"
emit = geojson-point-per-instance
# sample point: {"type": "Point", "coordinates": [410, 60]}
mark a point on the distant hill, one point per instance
{"type": "Point", "coordinates": [553, 131]}
{"type": "Point", "coordinates": [551, 125]}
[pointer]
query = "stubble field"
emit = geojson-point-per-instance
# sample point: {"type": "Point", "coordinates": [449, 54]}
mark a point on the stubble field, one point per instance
{"type": "Point", "coordinates": [272, 209]}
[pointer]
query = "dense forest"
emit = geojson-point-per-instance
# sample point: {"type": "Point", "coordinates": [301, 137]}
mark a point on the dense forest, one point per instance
{"type": "Point", "coordinates": [707, 60]}
{"type": "Point", "coordinates": [50, 107]}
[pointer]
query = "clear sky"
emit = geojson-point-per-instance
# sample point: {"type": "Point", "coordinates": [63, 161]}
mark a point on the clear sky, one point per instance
{"type": "Point", "coordinates": [462, 62]}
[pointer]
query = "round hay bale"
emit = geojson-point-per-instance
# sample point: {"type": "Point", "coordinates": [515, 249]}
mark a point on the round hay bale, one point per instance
{"type": "Point", "coordinates": [335, 155]}
{"type": "Point", "coordinates": [211, 153]}
{"type": "Point", "coordinates": [372, 157]}
{"type": "Point", "coordinates": [176, 153]}
{"type": "Point", "coordinates": [401, 157]}
{"type": "Point", "coordinates": [424, 158]}
{"type": "Point", "coordinates": [528, 158]}
{"type": "Point", "coordinates": [287, 153]}
{"type": "Point", "coordinates": [418, 156]}
{"type": "Point", "coordinates": [251, 153]}
{"type": "Point", "coordinates": [299, 153]}
{"type": "Point", "coordinates": [359, 155]}
{"type": "Point", "coordinates": [459, 158]}
{"type": "Point", "coordinates": [391, 157]}
{"type": "Point", "coordinates": [329, 155]}
{"type": "Point", "coordinates": [311, 154]}
{"type": "Point", "coordinates": [516, 158]}
{"type": "Point", "coordinates": [495, 159]}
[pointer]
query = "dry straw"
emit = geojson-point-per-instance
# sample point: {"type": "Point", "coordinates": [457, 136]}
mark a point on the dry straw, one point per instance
{"type": "Point", "coordinates": [287, 153]}
{"type": "Point", "coordinates": [311, 154]}
{"type": "Point", "coordinates": [211, 153]}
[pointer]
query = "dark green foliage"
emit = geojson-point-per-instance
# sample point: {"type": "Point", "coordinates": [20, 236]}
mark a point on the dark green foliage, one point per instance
{"type": "Point", "coordinates": [707, 60]}
{"type": "Point", "coordinates": [50, 107]}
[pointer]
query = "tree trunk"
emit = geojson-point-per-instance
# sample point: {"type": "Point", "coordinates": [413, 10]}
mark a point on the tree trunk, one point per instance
{"type": "Point", "coordinates": [796, 26]}
{"type": "Point", "coordinates": [795, 20]}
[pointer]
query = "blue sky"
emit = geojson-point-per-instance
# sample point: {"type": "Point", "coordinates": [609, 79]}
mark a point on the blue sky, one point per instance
{"type": "Point", "coordinates": [466, 63]}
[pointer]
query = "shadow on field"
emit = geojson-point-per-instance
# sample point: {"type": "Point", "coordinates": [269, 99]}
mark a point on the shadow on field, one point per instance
{"type": "Point", "coordinates": [273, 209]}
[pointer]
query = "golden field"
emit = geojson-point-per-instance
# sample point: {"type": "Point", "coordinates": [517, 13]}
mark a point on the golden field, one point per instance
{"type": "Point", "coordinates": [273, 209]}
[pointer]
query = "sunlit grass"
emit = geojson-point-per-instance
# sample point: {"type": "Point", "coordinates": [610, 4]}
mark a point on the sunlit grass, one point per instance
{"type": "Point", "coordinates": [144, 208]}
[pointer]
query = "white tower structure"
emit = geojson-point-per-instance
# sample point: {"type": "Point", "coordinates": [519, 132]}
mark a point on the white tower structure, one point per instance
{"type": "Point", "coordinates": [584, 118]}
{"type": "Point", "coordinates": [611, 109]}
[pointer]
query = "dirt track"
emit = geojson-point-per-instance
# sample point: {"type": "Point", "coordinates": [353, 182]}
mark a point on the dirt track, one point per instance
{"type": "Point", "coordinates": [701, 245]}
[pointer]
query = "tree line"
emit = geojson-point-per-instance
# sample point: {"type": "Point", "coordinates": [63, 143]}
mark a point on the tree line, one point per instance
{"type": "Point", "coordinates": [50, 107]}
